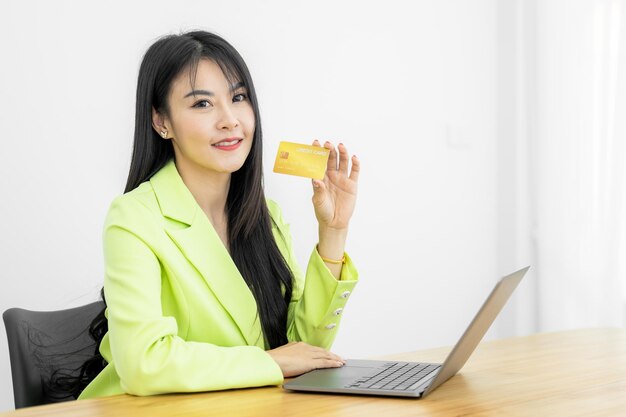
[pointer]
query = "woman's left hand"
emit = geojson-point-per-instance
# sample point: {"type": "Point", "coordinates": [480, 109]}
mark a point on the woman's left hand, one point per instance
{"type": "Point", "coordinates": [334, 197]}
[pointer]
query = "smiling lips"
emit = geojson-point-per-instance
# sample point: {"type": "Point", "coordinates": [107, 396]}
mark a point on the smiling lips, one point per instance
{"type": "Point", "coordinates": [229, 144]}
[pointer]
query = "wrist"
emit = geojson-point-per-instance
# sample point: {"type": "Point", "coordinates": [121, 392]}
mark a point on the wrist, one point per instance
{"type": "Point", "coordinates": [331, 233]}
{"type": "Point", "coordinates": [332, 261]}
{"type": "Point", "coordinates": [332, 243]}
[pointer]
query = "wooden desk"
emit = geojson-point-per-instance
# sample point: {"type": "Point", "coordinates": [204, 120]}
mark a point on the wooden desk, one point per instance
{"type": "Point", "coordinates": [572, 373]}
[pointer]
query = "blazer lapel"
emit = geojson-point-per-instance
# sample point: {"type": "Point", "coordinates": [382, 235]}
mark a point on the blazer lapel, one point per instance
{"type": "Point", "coordinates": [201, 245]}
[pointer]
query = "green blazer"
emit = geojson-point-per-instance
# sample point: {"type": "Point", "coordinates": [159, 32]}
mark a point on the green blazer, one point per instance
{"type": "Point", "coordinates": [181, 318]}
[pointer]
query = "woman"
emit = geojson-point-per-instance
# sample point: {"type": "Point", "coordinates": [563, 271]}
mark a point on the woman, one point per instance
{"type": "Point", "coordinates": [202, 287]}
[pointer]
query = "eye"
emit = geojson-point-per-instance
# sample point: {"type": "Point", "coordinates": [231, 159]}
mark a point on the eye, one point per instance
{"type": "Point", "coordinates": [202, 104]}
{"type": "Point", "coordinates": [240, 97]}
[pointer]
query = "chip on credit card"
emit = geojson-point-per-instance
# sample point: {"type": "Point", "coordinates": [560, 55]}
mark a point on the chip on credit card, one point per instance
{"type": "Point", "coordinates": [301, 160]}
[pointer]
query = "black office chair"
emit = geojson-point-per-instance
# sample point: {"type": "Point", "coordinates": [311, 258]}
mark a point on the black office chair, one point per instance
{"type": "Point", "coordinates": [42, 342]}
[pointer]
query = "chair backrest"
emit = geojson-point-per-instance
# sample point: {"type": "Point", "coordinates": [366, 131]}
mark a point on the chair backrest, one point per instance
{"type": "Point", "coordinates": [41, 342]}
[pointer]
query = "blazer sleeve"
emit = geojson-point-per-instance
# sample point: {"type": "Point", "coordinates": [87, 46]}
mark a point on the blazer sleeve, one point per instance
{"type": "Point", "coordinates": [148, 355]}
{"type": "Point", "coordinates": [318, 298]}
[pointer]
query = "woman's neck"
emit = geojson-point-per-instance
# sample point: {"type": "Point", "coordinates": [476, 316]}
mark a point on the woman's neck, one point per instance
{"type": "Point", "coordinates": [209, 189]}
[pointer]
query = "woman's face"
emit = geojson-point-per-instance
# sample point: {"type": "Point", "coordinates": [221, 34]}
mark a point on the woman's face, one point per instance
{"type": "Point", "coordinates": [211, 125]}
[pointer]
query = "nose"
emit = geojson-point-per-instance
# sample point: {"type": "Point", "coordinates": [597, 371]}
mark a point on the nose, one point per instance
{"type": "Point", "coordinates": [227, 119]}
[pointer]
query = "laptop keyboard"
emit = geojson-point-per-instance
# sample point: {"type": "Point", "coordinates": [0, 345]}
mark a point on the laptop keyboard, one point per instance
{"type": "Point", "coordinates": [395, 376]}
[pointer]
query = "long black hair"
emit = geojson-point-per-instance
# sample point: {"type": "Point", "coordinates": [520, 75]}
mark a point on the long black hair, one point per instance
{"type": "Point", "coordinates": [251, 242]}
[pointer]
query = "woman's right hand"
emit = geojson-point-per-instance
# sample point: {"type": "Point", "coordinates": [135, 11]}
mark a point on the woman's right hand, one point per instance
{"type": "Point", "coordinates": [296, 358]}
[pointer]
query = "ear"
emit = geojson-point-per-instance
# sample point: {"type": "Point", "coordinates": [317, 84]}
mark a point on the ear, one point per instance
{"type": "Point", "coordinates": [160, 123]}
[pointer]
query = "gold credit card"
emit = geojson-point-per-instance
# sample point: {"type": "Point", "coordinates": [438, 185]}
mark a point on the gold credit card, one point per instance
{"type": "Point", "coordinates": [301, 160]}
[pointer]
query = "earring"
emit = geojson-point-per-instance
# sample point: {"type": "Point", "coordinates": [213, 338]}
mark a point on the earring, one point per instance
{"type": "Point", "coordinates": [164, 133]}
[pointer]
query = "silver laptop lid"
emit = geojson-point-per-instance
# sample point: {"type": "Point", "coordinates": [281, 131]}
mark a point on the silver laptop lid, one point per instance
{"type": "Point", "coordinates": [477, 328]}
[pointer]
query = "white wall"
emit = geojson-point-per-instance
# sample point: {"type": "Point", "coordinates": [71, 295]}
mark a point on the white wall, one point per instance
{"type": "Point", "coordinates": [407, 86]}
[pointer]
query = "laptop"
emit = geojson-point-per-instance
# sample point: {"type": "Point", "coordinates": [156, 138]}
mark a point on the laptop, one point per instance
{"type": "Point", "coordinates": [409, 379]}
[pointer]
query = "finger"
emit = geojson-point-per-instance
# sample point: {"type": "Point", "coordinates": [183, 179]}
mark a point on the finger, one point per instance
{"type": "Point", "coordinates": [318, 186]}
{"type": "Point", "coordinates": [332, 157]}
{"type": "Point", "coordinates": [329, 363]}
{"type": "Point", "coordinates": [335, 357]}
{"type": "Point", "coordinates": [356, 168]}
{"type": "Point", "coordinates": [316, 143]}
{"type": "Point", "coordinates": [343, 159]}
{"type": "Point", "coordinates": [319, 352]}
{"type": "Point", "coordinates": [325, 354]}
{"type": "Point", "coordinates": [319, 193]}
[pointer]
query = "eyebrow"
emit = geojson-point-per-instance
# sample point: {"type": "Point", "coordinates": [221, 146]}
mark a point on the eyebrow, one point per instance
{"type": "Point", "coordinates": [194, 93]}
